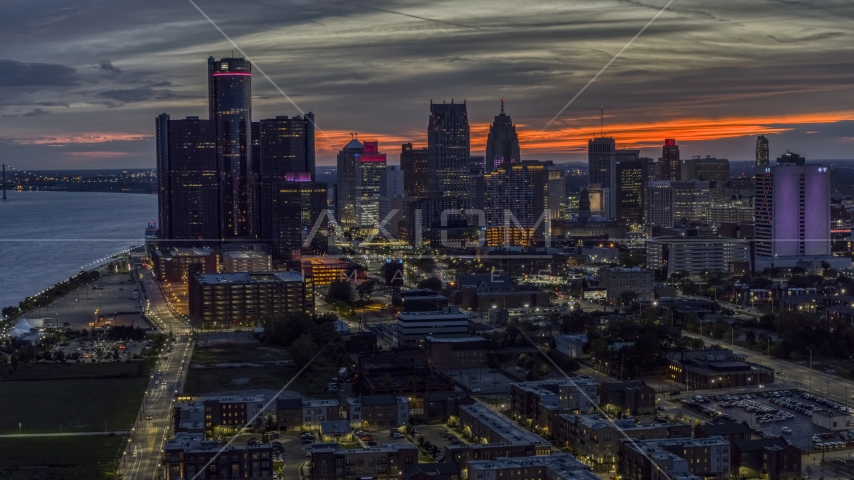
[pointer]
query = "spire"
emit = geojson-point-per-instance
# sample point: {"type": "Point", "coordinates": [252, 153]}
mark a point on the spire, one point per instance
{"type": "Point", "coordinates": [502, 106]}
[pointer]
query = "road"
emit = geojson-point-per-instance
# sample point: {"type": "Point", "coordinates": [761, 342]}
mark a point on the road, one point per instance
{"type": "Point", "coordinates": [142, 458]}
{"type": "Point", "coordinates": [794, 375]}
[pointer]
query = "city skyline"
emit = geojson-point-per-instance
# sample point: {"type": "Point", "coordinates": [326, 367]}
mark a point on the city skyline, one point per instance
{"type": "Point", "coordinates": [88, 104]}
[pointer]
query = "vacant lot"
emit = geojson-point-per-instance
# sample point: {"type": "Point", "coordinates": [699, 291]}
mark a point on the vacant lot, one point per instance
{"type": "Point", "coordinates": [60, 458]}
{"type": "Point", "coordinates": [238, 354]}
{"type": "Point", "coordinates": [81, 405]}
{"type": "Point", "coordinates": [65, 371]}
{"type": "Point", "coordinates": [265, 377]}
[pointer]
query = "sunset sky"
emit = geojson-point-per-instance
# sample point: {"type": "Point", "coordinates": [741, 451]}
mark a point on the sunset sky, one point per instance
{"type": "Point", "coordinates": [82, 81]}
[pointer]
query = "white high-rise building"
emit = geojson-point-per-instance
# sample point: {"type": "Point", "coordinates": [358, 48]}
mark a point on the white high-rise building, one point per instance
{"type": "Point", "coordinates": [792, 210]}
{"type": "Point", "coordinates": [659, 204]}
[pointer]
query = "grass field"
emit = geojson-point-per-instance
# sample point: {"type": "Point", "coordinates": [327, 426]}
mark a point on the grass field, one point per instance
{"type": "Point", "coordinates": [81, 405]}
{"type": "Point", "coordinates": [269, 377]}
{"type": "Point", "coordinates": [60, 458]}
{"type": "Point", "coordinates": [237, 354]}
{"type": "Point", "coordinates": [63, 371]}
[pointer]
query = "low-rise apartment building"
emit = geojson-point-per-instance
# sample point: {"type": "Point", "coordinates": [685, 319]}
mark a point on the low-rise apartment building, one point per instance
{"type": "Point", "coordinates": [633, 398]}
{"type": "Point", "coordinates": [596, 440]}
{"type": "Point", "coordinates": [231, 412]}
{"type": "Point", "coordinates": [558, 466]}
{"type": "Point", "coordinates": [378, 411]}
{"type": "Point", "coordinates": [484, 425]}
{"type": "Point", "coordinates": [186, 455]}
{"type": "Point", "coordinates": [705, 457]}
{"type": "Point", "coordinates": [536, 401]}
{"type": "Point", "coordinates": [331, 462]}
{"type": "Point", "coordinates": [305, 414]}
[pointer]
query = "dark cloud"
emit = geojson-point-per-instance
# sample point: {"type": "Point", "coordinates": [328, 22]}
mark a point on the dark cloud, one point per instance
{"type": "Point", "coordinates": [37, 112]}
{"type": "Point", "coordinates": [131, 95]}
{"type": "Point", "coordinates": [20, 74]}
{"type": "Point", "coordinates": [53, 104]}
{"type": "Point", "coordinates": [107, 67]}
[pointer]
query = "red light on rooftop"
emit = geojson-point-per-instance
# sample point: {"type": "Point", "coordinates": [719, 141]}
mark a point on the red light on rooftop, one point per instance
{"type": "Point", "coordinates": [670, 142]}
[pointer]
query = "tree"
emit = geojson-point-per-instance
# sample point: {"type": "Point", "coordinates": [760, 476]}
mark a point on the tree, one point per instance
{"type": "Point", "coordinates": [365, 289]}
{"type": "Point", "coordinates": [339, 291]}
{"type": "Point", "coordinates": [628, 297]}
{"type": "Point", "coordinates": [697, 344]}
{"type": "Point", "coordinates": [649, 314]}
{"type": "Point", "coordinates": [432, 283]}
{"type": "Point", "coordinates": [750, 337]}
{"type": "Point", "coordinates": [302, 351]}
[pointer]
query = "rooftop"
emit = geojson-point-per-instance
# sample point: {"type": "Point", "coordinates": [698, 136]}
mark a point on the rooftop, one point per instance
{"type": "Point", "coordinates": [244, 278]}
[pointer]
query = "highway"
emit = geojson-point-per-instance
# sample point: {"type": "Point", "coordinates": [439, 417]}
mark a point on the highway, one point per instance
{"type": "Point", "coordinates": [142, 459]}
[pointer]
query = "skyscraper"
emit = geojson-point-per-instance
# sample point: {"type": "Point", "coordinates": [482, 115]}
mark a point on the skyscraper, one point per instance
{"type": "Point", "coordinates": [230, 107]}
{"type": "Point", "coordinates": [762, 156]}
{"type": "Point", "coordinates": [601, 159]}
{"type": "Point", "coordinates": [502, 143]}
{"type": "Point", "coordinates": [631, 175]}
{"type": "Point", "coordinates": [792, 212]}
{"type": "Point", "coordinates": [713, 170]}
{"type": "Point", "coordinates": [361, 174]}
{"type": "Point", "coordinates": [413, 162]}
{"type": "Point", "coordinates": [448, 150]}
{"type": "Point", "coordinates": [659, 204]}
{"type": "Point", "coordinates": [790, 158]}
{"type": "Point", "coordinates": [296, 204]}
{"type": "Point", "coordinates": [691, 200]}
{"type": "Point", "coordinates": [669, 162]}
{"type": "Point", "coordinates": [188, 207]}
{"type": "Point", "coordinates": [285, 146]}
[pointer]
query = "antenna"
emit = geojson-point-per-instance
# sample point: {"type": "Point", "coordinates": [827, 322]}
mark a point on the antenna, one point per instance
{"type": "Point", "coordinates": [502, 106]}
{"type": "Point", "coordinates": [602, 121]}
{"type": "Point", "coordinates": [4, 181]}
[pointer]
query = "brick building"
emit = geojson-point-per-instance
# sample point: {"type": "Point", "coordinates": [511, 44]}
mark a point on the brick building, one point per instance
{"type": "Point", "coordinates": [187, 454]}
{"type": "Point", "coordinates": [633, 398]}
{"type": "Point", "coordinates": [378, 411]}
{"type": "Point", "coordinates": [331, 462]}
{"type": "Point", "coordinates": [448, 353]}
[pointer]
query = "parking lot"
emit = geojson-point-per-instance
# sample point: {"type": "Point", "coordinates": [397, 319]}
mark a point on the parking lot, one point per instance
{"type": "Point", "coordinates": [436, 438]}
{"type": "Point", "coordinates": [94, 350]}
{"type": "Point", "coordinates": [784, 413]}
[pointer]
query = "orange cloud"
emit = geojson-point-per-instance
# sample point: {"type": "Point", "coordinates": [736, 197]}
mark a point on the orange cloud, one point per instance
{"type": "Point", "coordinates": [60, 140]}
{"type": "Point", "coordinates": [330, 142]}
{"type": "Point", "coordinates": [572, 139]}
{"type": "Point", "coordinates": [637, 135]}
{"type": "Point", "coordinates": [97, 154]}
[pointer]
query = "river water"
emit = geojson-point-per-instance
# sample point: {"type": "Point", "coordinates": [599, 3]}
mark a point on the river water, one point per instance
{"type": "Point", "coordinates": [46, 237]}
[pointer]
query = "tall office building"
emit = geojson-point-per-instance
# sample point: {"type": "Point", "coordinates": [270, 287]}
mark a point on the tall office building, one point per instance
{"type": "Point", "coordinates": [659, 203]}
{"type": "Point", "coordinates": [601, 159]}
{"type": "Point", "coordinates": [188, 206]}
{"type": "Point", "coordinates": [413, 163]}
{"type": "Point", "coordinates": [762, 156]}
{"type": "Point", "coordinates": [296, 205]}
{"type": "Point", "coordinates": [691, 200]}
{"type": "Point", "coordinates": [285, 146]}
{"type": "Point", "coordinates": [361, 174]}
{"type": "Point", "coordinates": [792, 215]}
{"type": "Point", "coordinates": [502, 143]}
{"type": "Point", "coordinates": [713, 170]}
{"type": "Point", "coordinates": [230, 108]}
{"type": "Point", "coordinates": [394, 182]}
{"type": "Point", "coordinates": [448, 150]}
{"type": "Point", "coordinates": [669, 165]}
{"type": "Point", "coordinates": [530, 192]}
{"type": "Point", "coordinates": [164, 191]}
{"type": "Point", "coordinates": [790, 158]}
{"type": "Point", "coordinates": [632, 180]}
